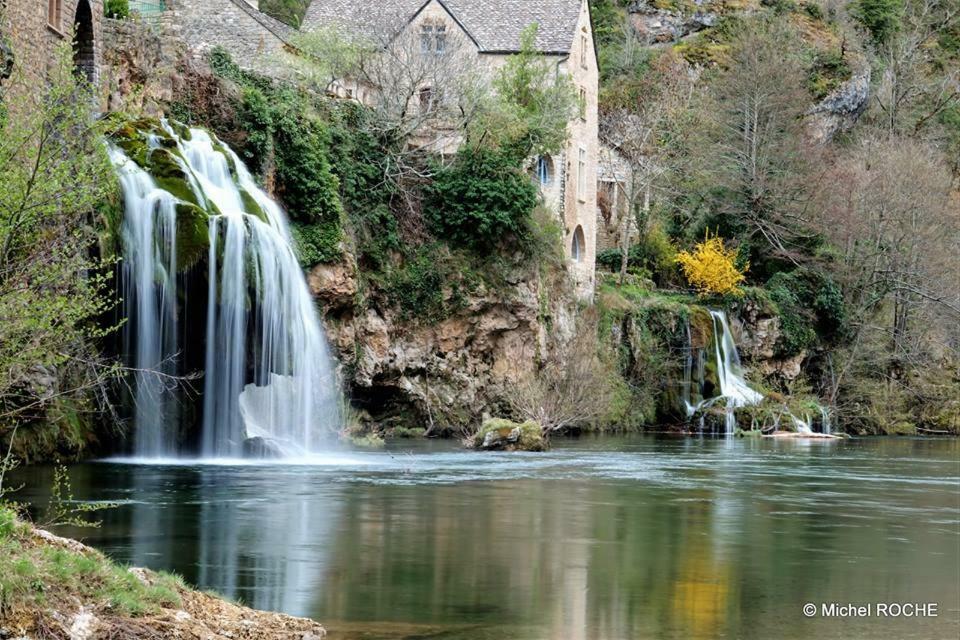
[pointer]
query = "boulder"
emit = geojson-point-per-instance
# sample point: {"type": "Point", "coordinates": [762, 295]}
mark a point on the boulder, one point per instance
{"type": "Point", "coordinates": [260, 448]}
{"type": "Point", "coordinates": [506, 435]}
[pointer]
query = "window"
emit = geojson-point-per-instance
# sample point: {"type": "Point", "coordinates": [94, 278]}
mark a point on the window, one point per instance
{"type": "Point", "coordinates": [54, 11]}
{"type": "Point", "coordinates": [582, 103]}
{"type": "Point", "coordinates": [426, 99]}
{"type": "Point", "coordinates": [582, 174]}
{"type": "Point", "coordinates": [440, 40]}
{"type": "Point", "coordinates": [578, 245]}
{"type": "Point", "coordinates": [583, 50]}
{"type": "Point", "coordinates": [433, 40]}
{"type": "Point", "coordinates": [544, 171]}
{"type": "Point", "coordinates": [426, 39]}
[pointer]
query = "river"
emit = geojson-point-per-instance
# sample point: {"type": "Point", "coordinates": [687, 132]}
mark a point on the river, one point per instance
{"type": "Point", "coordinates": [606, 538]}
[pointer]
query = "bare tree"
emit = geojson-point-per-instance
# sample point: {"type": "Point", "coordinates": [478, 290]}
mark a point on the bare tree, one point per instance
{"type": "Point", "coordinates": [636, 133]}
{"type": "Point", "coordinates": [573, 386]}
{"type": "Point", "coordinates": [758, 155]}
{"type": "Point", "coordinates": [915, 86]}
{"type": "Point", "coordinates": [423, 82]}
{"type": "Point", "coordinates": [897, 225]}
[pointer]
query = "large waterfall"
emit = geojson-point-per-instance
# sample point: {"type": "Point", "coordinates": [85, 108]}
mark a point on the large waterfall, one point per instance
{"type": "Point", "coordinates": [269, 382]}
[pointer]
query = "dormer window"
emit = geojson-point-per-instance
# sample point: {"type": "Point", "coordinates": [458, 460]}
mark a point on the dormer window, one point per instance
{"type": "Point", "coordinates": [54, 14]}
{"type": "Point", "coordinates": [433, 39]}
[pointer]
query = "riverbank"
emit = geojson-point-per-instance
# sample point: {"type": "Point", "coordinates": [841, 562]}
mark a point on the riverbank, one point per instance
{"type": "Point", "coordinates": [53, 587]}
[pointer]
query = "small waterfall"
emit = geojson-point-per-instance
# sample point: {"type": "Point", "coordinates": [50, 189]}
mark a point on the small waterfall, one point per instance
{"type": "Point", "coordinates": [268, 372]}
{"type": "Point", "coordinates": [734, 391]}
{"type": "Point", "coordinates": [825, 426]}
{"type": "Point", "coordinates": [733, 387]}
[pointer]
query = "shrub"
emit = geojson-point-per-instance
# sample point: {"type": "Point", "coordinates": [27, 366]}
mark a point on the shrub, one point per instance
{"type": "Point", "coordinates": [712, 269]}
{"type": "Point", "coordinates": [480, 200]}
{"type": "Point", "coordinates": [880, 17]}
{"type": "Point", "coordinates": [653, 256]}
{"type": "Point", "coordinates": [811, 308]}
{"type": "Point", "coordinates": [117, 9]}
{"type": "Point", "coordinates": [828, 72]}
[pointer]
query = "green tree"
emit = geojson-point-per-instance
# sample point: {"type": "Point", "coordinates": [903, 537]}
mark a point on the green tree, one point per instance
{"type": "Point", "coordinates": [882, 18]}
{"type": "Point", "coordinates": [531, 106]}
{"type": "Point", "coordinates": [481, 199]}
{"type": "Point", "coordinates": [54, 175]}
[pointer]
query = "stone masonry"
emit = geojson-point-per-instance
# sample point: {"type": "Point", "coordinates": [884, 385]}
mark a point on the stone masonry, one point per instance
{"type": "Point", "coordinates": [34, 28]}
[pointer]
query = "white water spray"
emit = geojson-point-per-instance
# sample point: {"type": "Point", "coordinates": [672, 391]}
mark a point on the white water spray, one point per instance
{"type": "Point", "coordinates": [268, 373]}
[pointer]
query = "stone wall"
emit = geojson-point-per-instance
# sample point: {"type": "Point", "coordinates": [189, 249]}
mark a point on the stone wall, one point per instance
{"type": "Point", "coordinates": [33, 40]}
{"type": "Point", "coordinates": [580, 208]}
{"type": "Point", "coordinates": [252, 38]}
{"type": "Point", "coordinates": [139, 60]}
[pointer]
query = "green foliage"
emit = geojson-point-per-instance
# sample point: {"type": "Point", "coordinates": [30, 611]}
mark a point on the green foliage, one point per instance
{"type": "Point", "coordinates": [780, 6]}
{"type": "Point", "coordinates": [316, 242]}
{"type": "Point", "coordinates": [814, 10]}
{"type": "Point", "coordinates": [480, 200]}
{"type": "Point", "coordinates": [652, 256]}
{"type": "Point", "coordinates": [425, 286]}
{"type": "Point", "coordinates": [284, 136]}
{"type": "Point", "coordinates": [54, 172]}
{"type": "Point", "coordinates": [829, 71]}
{"type": "Point", "coordinates": [118, 9]}
{"type": "Point", "coordinates": [882, 18]}
{"type": "Point", "coordinates": [532, 105]}
{"type": "Point", "coordinates": [63, 510]}
{"type": "Point", "coordinates": [289, 12]}
{"type": "Point", "coordinates": [811, 309]}
{"type": "Point", "coordinates": [40, 574]}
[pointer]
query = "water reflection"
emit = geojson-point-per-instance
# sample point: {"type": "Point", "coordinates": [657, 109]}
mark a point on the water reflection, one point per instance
{"type": "Point", "coordinates": [600, 540]}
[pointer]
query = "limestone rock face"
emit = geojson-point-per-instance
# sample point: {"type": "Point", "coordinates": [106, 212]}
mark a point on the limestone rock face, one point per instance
{"type": "Point", "coordinates": [652, 24]}
{"type": "Point", "coordinates": [439, 374]}
{"type": "Point", "coordinates": [840, 110]}
{"type": "Point", "coordinates": [138, 67]}
{"type": "Point", "coordinates": [757, 334]}
{"type": "Point", "coordinates": [334, 285]}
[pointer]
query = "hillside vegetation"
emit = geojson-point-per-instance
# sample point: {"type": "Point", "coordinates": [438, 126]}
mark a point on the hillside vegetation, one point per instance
{"type": "Point", "coordinates": [820, 140]}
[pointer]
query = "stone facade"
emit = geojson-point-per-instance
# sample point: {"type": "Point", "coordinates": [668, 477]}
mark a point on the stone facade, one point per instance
{"type": "Point", "coordinates": [612, 175]}
{"type": "Point", "coordinates": [252, 38]}
{"type": "Point", "coordinates": [34, 29]}
{"type": "Point", "coordinates": [568, 181]}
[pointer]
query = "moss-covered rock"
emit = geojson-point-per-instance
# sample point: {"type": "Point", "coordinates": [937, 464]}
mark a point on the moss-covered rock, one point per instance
{"type": "Point", "coordinates": [193, 236]}
{"type": "Point", "coordinates": [498, 433]}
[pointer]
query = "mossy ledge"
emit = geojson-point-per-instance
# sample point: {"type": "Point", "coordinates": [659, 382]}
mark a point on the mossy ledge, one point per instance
{"type": "Point", "coordinates": [52, 587]}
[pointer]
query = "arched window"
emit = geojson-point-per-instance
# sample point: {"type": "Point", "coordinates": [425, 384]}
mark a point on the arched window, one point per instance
{"type": "Point", "coordinates": [578, 246]}
{"type": "Point", "coordinates": [544, 171]}
{"type": "Point", "coordinates": [84, 54]}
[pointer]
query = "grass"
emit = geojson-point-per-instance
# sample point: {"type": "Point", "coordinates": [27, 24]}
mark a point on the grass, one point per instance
{"type": "Point", "coordinates": [35, 573]}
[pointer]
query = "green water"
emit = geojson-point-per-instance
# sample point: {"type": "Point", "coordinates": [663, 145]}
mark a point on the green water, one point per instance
{"type": "Point", "coordinates": [599, 539]}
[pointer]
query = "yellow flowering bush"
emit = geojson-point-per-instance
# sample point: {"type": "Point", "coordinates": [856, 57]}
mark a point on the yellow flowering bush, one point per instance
{"type": "Point", "coordinates": [711, 268]}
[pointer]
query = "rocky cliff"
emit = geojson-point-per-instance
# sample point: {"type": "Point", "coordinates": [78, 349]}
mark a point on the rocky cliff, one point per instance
{"type": "Point", "coordinates": [442, 375]}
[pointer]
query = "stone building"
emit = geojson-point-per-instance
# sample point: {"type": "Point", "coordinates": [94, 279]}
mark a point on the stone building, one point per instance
{"type": "Point", "coordinates": [34, 28]}
{"type": "Point", "coordinates": [253, 39]}
{"type": "Point", "coordinates": [492, 30]}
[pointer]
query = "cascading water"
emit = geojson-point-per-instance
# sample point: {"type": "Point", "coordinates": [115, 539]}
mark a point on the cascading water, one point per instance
{"type": "Point", "coordinates": [733, 387]}
{"type": "Point", "coordinates": [268, 371]}
{"type": "Point", "coordinates": [734, 391]}
{"type": "Point", "coordinates": [149, 294]}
